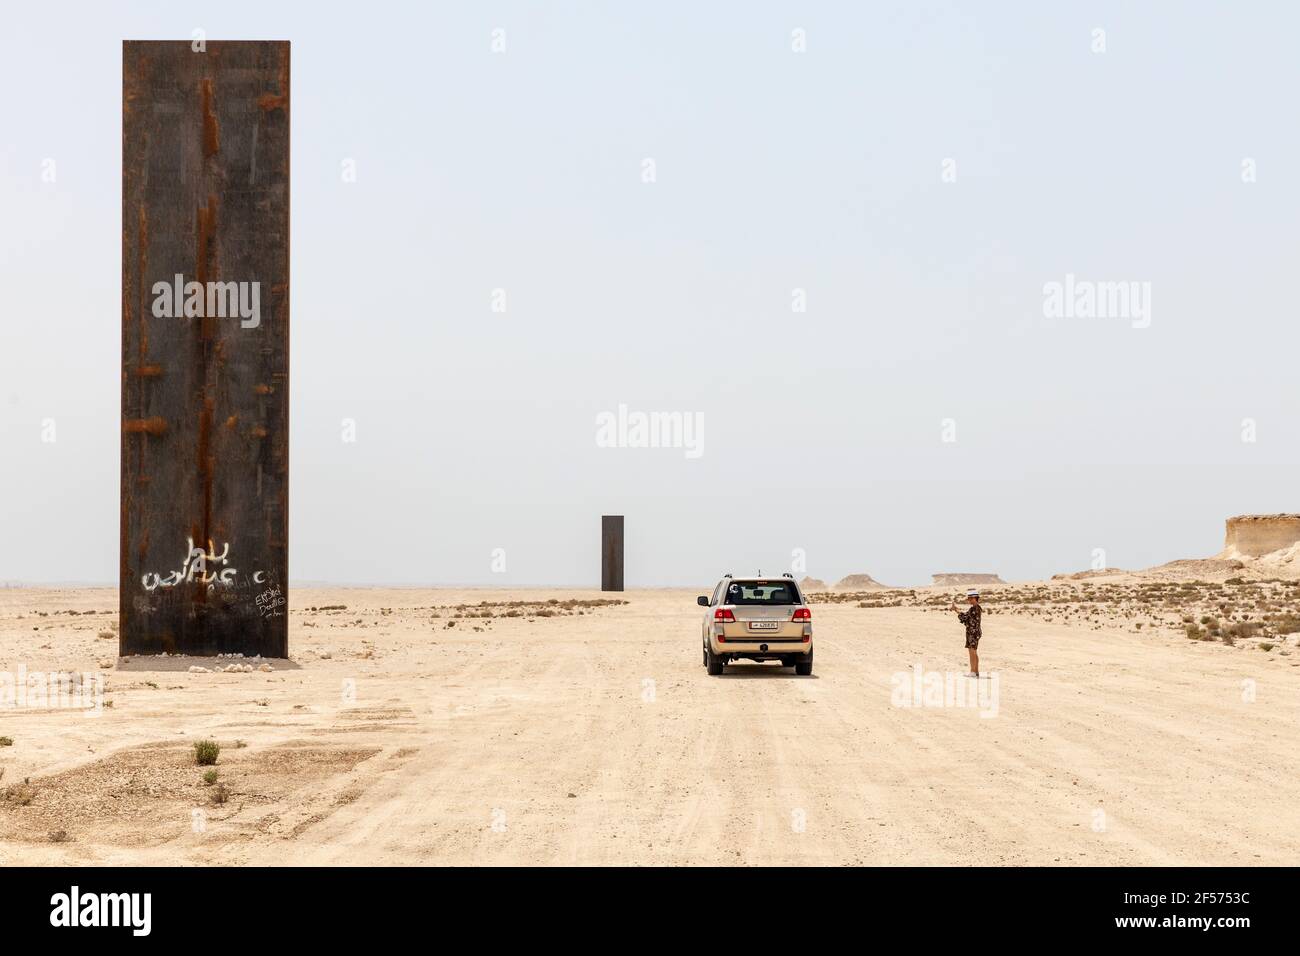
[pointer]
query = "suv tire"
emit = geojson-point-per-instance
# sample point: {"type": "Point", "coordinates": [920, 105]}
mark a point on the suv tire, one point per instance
{"type": "Point", "coordinates": [713, 662]}
{"type": "Point", "coordinates": [804, 668]}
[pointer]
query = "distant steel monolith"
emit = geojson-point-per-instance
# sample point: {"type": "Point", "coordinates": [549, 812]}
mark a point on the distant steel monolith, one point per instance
{"type": "Point", "coordinates": [611, 553]}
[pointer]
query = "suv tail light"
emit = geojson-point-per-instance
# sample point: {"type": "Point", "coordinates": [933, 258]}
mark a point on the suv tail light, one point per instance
{"type": "Point", "coordinates": [723, 614]}
{"type": "Point", "coordinates": [802, 614]}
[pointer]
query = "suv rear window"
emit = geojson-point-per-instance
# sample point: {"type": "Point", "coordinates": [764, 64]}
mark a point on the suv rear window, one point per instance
{"type": "Point", "coordinates": [761, 592]}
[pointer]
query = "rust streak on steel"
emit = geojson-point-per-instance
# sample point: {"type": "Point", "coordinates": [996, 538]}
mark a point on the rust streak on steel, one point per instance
{"type": "Point", "coordinates": [211, 131]}
{"type": "Point", "coordinates": [205, 414]}
{"type": "Point", "coordinates": [206, 466]}
{"type": "Point", "coordinates": [147, 426]}
{"type": "Point", "coordinates": [280, 99]}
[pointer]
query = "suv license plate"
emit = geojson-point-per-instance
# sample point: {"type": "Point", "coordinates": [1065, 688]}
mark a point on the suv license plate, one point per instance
{"type": "Point", "coordinates": [763, 625]}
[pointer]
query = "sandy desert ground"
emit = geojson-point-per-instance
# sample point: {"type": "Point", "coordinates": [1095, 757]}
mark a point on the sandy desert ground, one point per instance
{"type": "Point", "coordinates": [591, 735]}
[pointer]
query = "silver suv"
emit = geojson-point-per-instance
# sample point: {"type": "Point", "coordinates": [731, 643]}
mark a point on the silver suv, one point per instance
{"type": "Point", "coordinates": [757, 619]}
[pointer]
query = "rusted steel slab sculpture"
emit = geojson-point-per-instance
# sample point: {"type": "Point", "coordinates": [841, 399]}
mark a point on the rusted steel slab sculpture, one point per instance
{"type": "Point", "coordinates": [205, 348]}
{"type": "Point", "coordinates": [611, 552]}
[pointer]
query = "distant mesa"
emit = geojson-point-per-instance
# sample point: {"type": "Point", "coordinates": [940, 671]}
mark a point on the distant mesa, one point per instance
{"type": "Point", "coordinates": [860, 582]}
{"type": "Point", "coordinates": [812, 584]}
{"type": "Point", "coordinates": [1258, 545]}
{"type": "Point", "coordinates": [1258, 536]}
{"type": "Point", "coordinates": [1253, 545]}
{"type": "Point", "coordinates": [951, 579]}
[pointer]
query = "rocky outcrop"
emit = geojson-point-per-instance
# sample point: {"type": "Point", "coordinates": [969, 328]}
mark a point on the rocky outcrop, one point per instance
{"type": "Point", "coordinates": [1252, 536]}
{"type": "Point", "coordinates": [956, 578]}
{"type": "Point", "coordinates": [1085, 575]}
{"type": "Point", "coordinates": [1188, 569]}
{"type": "Point", "coordinates": [860, 582]}
{"type": "Point", "coordinates": [812, 584]}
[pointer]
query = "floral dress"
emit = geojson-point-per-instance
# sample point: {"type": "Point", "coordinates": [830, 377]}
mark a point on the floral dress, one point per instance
{"type": "Point", "coordinates": [971, 619]}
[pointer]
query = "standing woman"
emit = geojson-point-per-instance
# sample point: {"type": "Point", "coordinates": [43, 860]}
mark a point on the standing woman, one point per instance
{"type": "Point", "coordinates": [971, 618]}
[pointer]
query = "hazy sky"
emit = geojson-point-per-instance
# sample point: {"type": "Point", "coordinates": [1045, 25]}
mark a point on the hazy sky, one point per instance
{"type": "Point", "coordinates": [774, 171]}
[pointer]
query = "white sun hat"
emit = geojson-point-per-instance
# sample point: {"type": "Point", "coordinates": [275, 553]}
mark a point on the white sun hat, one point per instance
{"type": "Point", "coordinates": [972, 593]}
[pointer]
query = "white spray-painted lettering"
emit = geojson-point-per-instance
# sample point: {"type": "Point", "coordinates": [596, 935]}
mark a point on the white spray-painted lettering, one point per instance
{"type": "Point", "coordinates": [196, 562]}
{"type": "Point", "coordinates": [270, 601]}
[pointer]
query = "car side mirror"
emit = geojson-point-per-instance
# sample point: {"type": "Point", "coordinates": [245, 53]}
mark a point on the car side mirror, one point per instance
{"type": "Point", "coordinates": [702, 601]}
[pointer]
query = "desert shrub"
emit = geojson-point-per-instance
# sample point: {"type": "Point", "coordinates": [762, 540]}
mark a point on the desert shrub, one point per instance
{"type": "Point", "coordinates": [6, 741]}
{"type": "Point", "coordinates": [1194, 632]}
{"type": "Point", "coordinates": [58, 836]}
{"type": "Point", "coordinates": [205, 752]}
{"type": "Point", "coordinates": [219, 794]}
{"type": "Point", "coordinates": [20, 794]}
{"type": "Point", "coordinates": [1265, 646]}
{"type": "Point", "coordinates": [1287, 623]}
{"type": "Point", "coordinates": [210, 777]}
